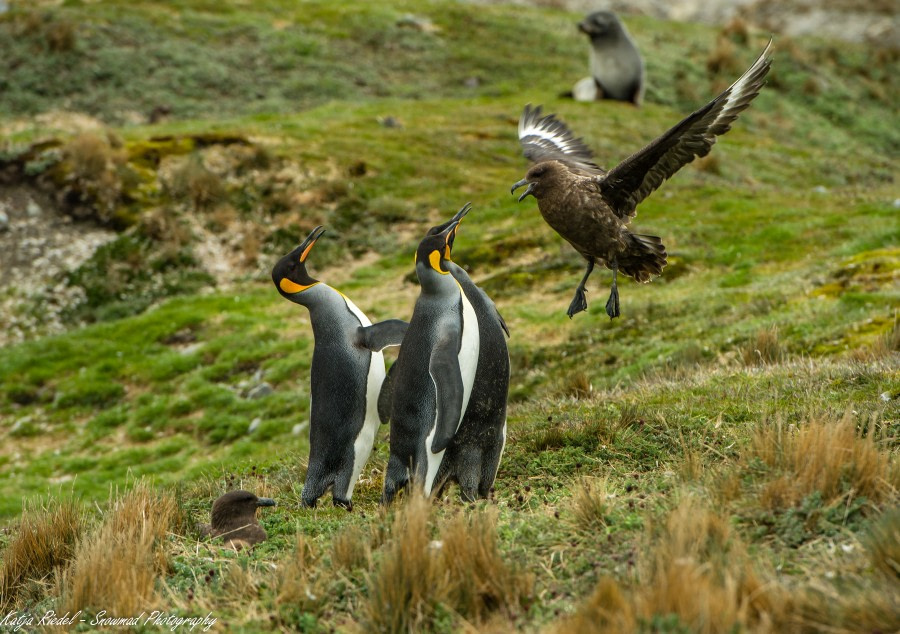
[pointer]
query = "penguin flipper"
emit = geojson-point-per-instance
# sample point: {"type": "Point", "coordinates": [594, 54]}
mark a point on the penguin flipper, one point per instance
{"type": "Point", "coordinates": [448, 384]}
{"type": "Point", "coordinates": [386, 395]}
{"type": "Point", "coordinates": [379, 336]}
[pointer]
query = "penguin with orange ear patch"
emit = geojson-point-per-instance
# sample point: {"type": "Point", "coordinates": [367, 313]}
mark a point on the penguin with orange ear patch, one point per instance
{"type": "Point", "coordinates": [433, 376]}
{"type": "Point", "coordinates": [345, 378]}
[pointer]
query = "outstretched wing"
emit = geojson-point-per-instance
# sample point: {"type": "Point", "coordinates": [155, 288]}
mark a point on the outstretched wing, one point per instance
{"type": "Point", "coordinates": [546, 138]}
{"type": "Point", "coordinates": [636, 177]}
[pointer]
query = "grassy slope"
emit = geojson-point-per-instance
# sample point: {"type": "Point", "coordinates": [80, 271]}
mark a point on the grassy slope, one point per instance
{"type": "Point", "coordinates": [656, 402]}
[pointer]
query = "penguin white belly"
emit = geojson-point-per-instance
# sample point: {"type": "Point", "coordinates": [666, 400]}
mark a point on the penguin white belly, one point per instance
{"type": "Point", "coordinates": [468, 363]}
{"type": "Point", "coordinates": [502, 447]}
{"type": "Point", "coordinates": [362, 446]}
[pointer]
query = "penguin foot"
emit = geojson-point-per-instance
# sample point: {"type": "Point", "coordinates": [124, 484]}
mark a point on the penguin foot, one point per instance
{"type": "Point", "coordinates": [310, 504]}
{"type": "Point", "coordinates": [579, 302]}
{"type": "Point", "coordinates": [344, 504]}
{"type": "Point", "coordinates": [612, 304]}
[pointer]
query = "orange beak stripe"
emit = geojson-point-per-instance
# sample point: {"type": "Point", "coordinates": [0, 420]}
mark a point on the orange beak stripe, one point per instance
{"type": "Point", "coordinates": [306, 251]}
{"type": "Point", "coordinates": [291, 287]}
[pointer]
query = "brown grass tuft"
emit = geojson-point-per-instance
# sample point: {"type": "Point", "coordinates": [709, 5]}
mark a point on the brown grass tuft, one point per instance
{"type": "Point", "coordinates": [591, 504]}
{"type": "Point", "coordinates": [298, 582]}
{"type": "Point", "coordinates": [737, 30]}
{"type": "Point", "coordinates": [722, 59]}
{"type": "Point", "coordinates": [576, 385]}
{"type": "Point", "coordinates": [93, 169]}
{"type": "Point", "coordinates": [606, 611]}
{"type": "Point", "coordinates": [764, 349]}
{"type": "Point", "coordinates": [115, 566]}
{"type": "Point", "coordinates": [200, 186]}
{"type": "Point", "coordinates": [44, 542]}
{"type": "Point", "coordinates": [701, 572]}
{"type": "Point", "coordinates": [825, 456]}
{"type": "Point", "coordinates": [351, 549]}
{"type": "Point", "coordinates": [882, 348]}
{"type": "Point", "coordinates": [695, 571]}
{"type": "Point", "coordinates": [711, 163]}
{"type": "Point", "coordinates": [60, 36]}
{"type": "Point", "coordinates": [408, 585]}
{"type": "Point", "coordinates": [883, 544]}
{"type": "Point", "coordinates": [481, 582]}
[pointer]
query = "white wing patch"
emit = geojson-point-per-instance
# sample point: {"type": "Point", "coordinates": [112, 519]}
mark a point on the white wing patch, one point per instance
{"type": "Point", "coordinates": [536, 129]}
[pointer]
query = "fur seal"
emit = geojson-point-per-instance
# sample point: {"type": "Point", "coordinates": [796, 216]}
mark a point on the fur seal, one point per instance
{"type": "Point", "coordinates": [617, 69]}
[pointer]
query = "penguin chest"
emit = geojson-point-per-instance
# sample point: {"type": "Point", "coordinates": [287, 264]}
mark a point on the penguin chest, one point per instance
{"type": "Point", "coordinates": [467, 358]}
{"type": "Point", "coordinates": [365, 438]}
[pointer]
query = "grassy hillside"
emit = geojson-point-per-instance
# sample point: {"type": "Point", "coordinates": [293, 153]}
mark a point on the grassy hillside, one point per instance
{"type": "Point", "coordinates": [720, 458]}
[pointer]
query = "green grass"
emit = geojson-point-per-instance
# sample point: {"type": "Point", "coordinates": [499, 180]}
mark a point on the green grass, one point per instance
{"type": "Point", "coordinates": [660, 405]}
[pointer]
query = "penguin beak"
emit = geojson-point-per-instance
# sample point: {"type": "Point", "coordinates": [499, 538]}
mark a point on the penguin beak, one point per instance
{"type": "Point", "coordinates": [265, 502]}
{"type": "Point", "coordinates": [527, 192]}
{"type": "Point", "coordinates": [461, 213]}
{"type": "Point", "coordinates": [439, 229]}
{"type": "Point", "coordinates": [307, 245]}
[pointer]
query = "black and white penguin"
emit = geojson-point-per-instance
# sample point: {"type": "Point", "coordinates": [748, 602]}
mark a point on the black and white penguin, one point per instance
{"type": "Point", "coordinates": [432, 379]}
{"type": "Point", "coordinates": [473, 456]}
{"type": "Point", "coordinates": [345, 377]}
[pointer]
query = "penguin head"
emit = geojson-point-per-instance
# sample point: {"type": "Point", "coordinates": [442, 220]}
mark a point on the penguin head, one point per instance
{"type": "Point", "coordinates": [290, 275]}
{"type": "Point", "coordinates": [434, 250]}
{"type": "Point", "coordinates": [600, 25]}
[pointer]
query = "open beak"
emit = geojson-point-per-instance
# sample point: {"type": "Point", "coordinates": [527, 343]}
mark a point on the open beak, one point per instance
{"type": "Point", "coordinates": [527, 192]}
{"type": "Point", "coordinates": [441, 228]}
{"type": "Point", "coordinates": [265, 502]}
{"type": "Point", "coordinates": [307, 245]}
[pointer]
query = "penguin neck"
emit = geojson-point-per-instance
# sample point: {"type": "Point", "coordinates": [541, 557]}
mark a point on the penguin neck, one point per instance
{"type": "Point", "coordinates": [327, 307]}
{"type": "Point", "coordinates": [434, 283]}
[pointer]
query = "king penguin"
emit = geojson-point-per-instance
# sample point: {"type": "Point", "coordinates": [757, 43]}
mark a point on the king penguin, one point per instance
{"type": "Point", "coordinates": [345, 378]}
{"type": "Point", "coordinates": [473, 456]}
{"type": "Point", "coordinates": [432, 379]}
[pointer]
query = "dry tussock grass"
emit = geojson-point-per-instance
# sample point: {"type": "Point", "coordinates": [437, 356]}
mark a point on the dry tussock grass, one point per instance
{"type": "Point", "coordinates": [298, 583]}
{"type": "Point", "coordinates": [93, 164]}
{"type": "Point", "coordinates": [859, 590]}
{"type": "Point", "coordinates": [883, 544]}
{"type": "Point", "coordinates": [723, 59]}
{"type": "Point", "coordinates": [481, 582]}
{"type": "Point", "coordinates": [883, 348]}
{"type": "Point", "coordinates": [409, 583]}
{"type": "Point", "coordinates": [695, 569]}
{"type": "Point", "coordinates": [115, 567]}
{"type": "Point", "coordinates": [606, 611]}
{"type": "Point", "coordinates": [200, 186]}
{"type": "Point", "coordinates": [419, 578]}
{"type": "Point", "coordinates": [44, 542]}
{"type": "Point", "coordinates": [700, 571]}
{"type": "Point", "coordinates": [764, 349]}
{"type": "Point", "coordinates": [591, 504]}
{"type": "Point", "coordinates": [826, 456]}
{"type": "Point", "coordinates": [351, 549]}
